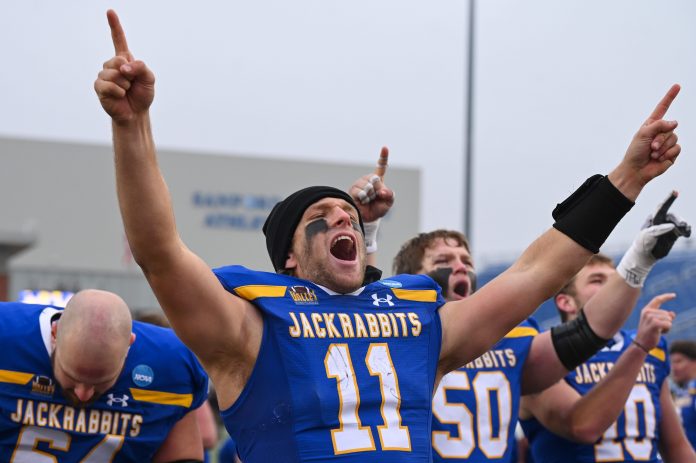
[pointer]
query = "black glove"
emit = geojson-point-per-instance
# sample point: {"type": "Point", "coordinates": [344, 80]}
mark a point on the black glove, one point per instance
{"type": "Point", "coordinates": [681, 228]}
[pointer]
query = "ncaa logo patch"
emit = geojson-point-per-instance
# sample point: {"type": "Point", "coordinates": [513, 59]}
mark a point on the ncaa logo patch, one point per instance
{"type": "Point", "coordinates": [391, 283]}
{"type": "Point", "coordinates": [143, 375]}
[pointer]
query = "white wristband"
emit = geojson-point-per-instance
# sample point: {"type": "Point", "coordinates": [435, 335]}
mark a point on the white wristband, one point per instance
{"type": "Point", "coordinates": [634, 275]}
{"type": "Point", "coordinates": [638, 260]}
{"type": "Point", "coordinates": [371, 229]}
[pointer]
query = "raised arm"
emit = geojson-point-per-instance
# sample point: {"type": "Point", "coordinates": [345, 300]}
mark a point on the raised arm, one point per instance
{"type": "Point", "coordinates": [220, 328]}
{"type": "Point", "coordinates": [183, 443]}
{"type": "Point", "coordinates": [564, 412]}
{"type": "Point", "coordinates": [583, 221]}
{"type": "Point", "coordinates": [607, 311]}
{"type": "Point", "coordinates": [673, 444]}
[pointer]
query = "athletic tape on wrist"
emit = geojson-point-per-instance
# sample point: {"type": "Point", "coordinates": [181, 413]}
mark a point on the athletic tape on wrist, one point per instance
{"type": "Point", "coordinates": [634, 275]}
{"type": "Point", "coordinates": [371, 229]}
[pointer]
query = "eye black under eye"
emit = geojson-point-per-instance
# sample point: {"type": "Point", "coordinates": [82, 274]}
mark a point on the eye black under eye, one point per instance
{"type": "Point", "coordinates": [315, 227]}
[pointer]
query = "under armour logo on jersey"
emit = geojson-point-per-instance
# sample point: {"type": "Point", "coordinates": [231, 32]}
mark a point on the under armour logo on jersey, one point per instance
{"type": "Point", "coordinates": [113, 400]}
{"type": "Point", "coordinates": [382, 300]}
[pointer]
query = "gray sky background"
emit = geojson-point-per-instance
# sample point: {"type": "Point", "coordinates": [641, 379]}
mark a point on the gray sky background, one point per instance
{"type": "Point", "coordinates": [560, 88]}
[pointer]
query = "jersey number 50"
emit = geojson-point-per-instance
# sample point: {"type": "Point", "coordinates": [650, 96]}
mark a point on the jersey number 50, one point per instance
{"type": "Point", "coordinates": [493, 444]}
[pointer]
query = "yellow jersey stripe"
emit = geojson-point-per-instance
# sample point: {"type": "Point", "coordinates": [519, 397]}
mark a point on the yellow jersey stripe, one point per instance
{"type": "Point", "coordinates": [15, 377]}
{"type": "Point", "coordinates": [252, 292]}
{"type": "Point", "coordinates": [658, 353]}
{"type": "Point", "coordinates": [418, 295]}
{"type": "Point", "coordinates": [522, 332]}
{"type": "Point", "coordinates": [164, 398]}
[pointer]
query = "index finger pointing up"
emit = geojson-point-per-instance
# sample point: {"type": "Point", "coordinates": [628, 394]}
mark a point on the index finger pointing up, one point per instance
{"type": "Point", "coordinates": [117, 35]}
{"type": "Point", "coordinates": [657, 301]}
{"type": "Point", "coordinates": [661, 214]}
{"type": "Point", "coordinates": [664, 104]}
{"type": "Point", "coordinates": [382, 162]}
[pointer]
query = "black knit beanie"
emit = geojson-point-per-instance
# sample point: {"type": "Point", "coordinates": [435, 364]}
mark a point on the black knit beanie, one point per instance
{"type": "Point", "coordinates": [281, 223]}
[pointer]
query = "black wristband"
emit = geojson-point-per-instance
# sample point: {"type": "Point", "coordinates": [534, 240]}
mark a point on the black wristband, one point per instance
{"type": "Point", "coordinates": [590, 214]}
{"type": "Point", "coordinates": [575, 342]}
{"type": "Point", "coordinates": [641, 346]}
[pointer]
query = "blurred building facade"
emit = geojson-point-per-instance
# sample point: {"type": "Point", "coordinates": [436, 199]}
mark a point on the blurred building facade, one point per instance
{"type": "Point", "coordinates": [61, 229]}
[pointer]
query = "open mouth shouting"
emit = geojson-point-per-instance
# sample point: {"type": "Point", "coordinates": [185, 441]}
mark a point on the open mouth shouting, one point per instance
{"type": "Point", "coordinates": [454, 286]}
{"type": "Point", "coordinates": [461, 288]}
{"type": "Point", "coordinates": [343, 248]}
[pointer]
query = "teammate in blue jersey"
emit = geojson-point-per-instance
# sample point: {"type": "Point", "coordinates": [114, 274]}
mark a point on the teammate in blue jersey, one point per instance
{"type": "Point", "coordinates": [625, 381]}
{"type": "Point", "coordinates": [316, 362]}
{"type": "Point", "coordinates": [81, 385]}
{"type": "Point", "coordinates": [227, 453]}
{"type": "Point", "coordinates": [475, 409]}
{"type": "Point", "coordinates": [576, 419]}
{"type": "Point", "coordinates": [205, 416]}
{"type": "Point", "coordinates": [682, 355]}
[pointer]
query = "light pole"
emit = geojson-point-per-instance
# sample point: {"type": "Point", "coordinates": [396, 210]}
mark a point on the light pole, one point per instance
{"type": "Point", "coordinates": [468, 132]}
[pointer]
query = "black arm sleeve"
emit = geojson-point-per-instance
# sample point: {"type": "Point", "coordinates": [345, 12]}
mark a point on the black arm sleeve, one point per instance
{"type": "Point", "coordinates": [575, 342]}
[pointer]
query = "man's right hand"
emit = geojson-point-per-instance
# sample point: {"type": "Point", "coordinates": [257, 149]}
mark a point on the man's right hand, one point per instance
{"type": "Point", "coordinates": [665, 241]}
{"type": "Point", "coordinates": [653, 242]}
{"type": "Point", "coordinates": [125, 86]}
{"type": "Point", "coordinates": [654, 321]}
{"type": "Point", "coordinates": [372, 196]}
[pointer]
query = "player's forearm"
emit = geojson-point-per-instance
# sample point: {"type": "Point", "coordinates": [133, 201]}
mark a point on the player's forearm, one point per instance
{"type": "Point", "coordinates": [673, 444]}
{"type": "Point", "coordinates": [583, 222]}
{"type": "Point", "coordinates": [608, 310]}
{"type": "Point", "coordinates": [545, 266]}
{"type": "Point", "coordinates": [476, 323]}
{"type": "Point", "coordinates": [542, 368]}
{"type": "Point", "coordinates": [675, 448]}
{"type": "Point", "coordinates": [609, 395]}
{"type": "Point", "coordinates": [371, 259]}
{"type": "Point", "coordinates": [551, 407]}
{"type": "Point", "coordinates": [628, 181]}
{"type": "Point", "coordinates": [681, 454]}
{"type": "Point", "coordinates": [142, 193]}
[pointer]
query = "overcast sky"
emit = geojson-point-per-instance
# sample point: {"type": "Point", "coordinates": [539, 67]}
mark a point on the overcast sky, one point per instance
{"type": "Point", "coordinates": [560, 88]}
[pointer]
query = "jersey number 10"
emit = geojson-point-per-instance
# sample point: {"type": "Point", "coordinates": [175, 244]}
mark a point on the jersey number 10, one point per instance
{"type": "Point", "coordinates": [639, 445]}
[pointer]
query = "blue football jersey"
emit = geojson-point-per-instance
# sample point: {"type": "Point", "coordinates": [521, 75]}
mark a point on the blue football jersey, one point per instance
{"type": "Point", "coordinates": [346, 378]}
{"type": "Point", "coordinates": [161, 381]}
{"type": "Point", "coordinates": [475, 408]}
{"type": "Point", "coordinates": [686, 405]}
{"type": "Point", "coordinates": [634, 435]}
{"type": "Point", "coordinates": [228, 452]}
